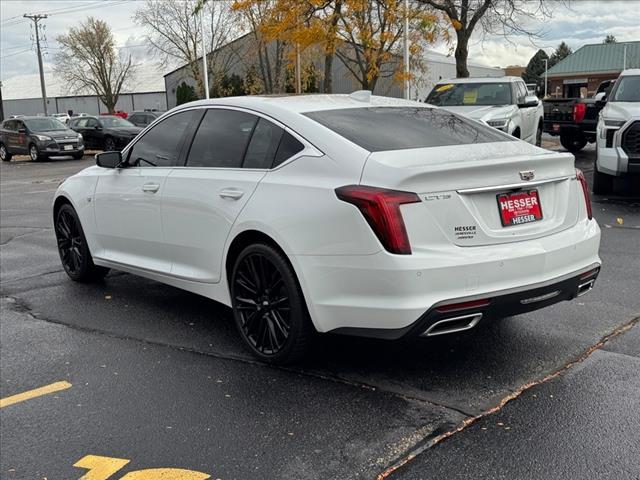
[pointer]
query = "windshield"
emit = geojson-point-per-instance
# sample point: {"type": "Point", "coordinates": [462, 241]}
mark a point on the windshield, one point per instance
{"type": "Point", "coordinates": [396, 128]}
{"type": "Point", "coordinates": [469, 94]}
{"type": "Point", "coordinates": [115, 122]}
{"type": "Point", "coordinates": [627, 89]}
{"type": "Point", "coordinates": [44, 124]}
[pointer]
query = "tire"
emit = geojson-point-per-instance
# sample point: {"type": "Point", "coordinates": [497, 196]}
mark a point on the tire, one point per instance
{"type": "Point", "coordinates": [73, 249]}
{"type": "Point", "coordinates": [539, 136]}
{"type": "Point", "coordinates": [602, 183]}
{"type": "Point", "coordinates": [78, 156]}
{"type": "Point", "coordinates": [5, 156]}
{"type": "Point", "coordinates": [573, 142]}
{"type": "Point", "coordinates": [34, 153]}
{"type": "Point", "coordinates": [109, 144]}
{"type": "Point", "coordinates": [268, 306]}
{"type": "Point", "coordinates": [516, 133]}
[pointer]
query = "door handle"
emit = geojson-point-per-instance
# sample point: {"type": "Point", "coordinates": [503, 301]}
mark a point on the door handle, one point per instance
{"type": "Point", "coordinates": [150, 187]}
{"type": "Point", "coordinates": [231, 193]}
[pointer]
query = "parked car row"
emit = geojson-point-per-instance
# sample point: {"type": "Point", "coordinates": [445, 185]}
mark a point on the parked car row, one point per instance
{"type": "Point", "coordinates": [43, 137]}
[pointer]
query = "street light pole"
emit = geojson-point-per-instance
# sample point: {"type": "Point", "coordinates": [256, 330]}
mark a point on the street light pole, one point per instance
{"type": "Point", "coordinates": [407, 71]}
{"type": "Point", "coordinates": [205, 74]}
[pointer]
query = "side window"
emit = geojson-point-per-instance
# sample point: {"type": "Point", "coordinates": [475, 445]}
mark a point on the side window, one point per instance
{"type": "Point", "coordinates": [160, 146]}
{"type": "Point", "coordinates": [10, 125]}
{"type": "Point", "coordinates": [221, 139]}
{"type": "Point", "coordinates": [91, 123]}
{"type": "Point", "coordinates": [20, 125]}
{"type": "Point", "coordinates": [522, 92]}
{"type": "Point", "coordinates": [288, 147]}
{"type": "Point", "coordinates": [263, 145]}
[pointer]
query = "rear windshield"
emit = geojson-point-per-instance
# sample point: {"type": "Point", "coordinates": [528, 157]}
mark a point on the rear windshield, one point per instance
{"type": "Point", "coordinates": [396, 128]}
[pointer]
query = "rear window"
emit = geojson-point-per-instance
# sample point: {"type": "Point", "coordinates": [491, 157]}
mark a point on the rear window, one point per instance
{"type": "Point", "coordinates": [397, 128]}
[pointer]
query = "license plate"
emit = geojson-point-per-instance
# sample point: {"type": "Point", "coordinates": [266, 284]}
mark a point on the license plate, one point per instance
{"type": "Point", "coordinates": [556, 127]}
{"type": "Point", "coordinates": [68, 147]}
{"type": "Point", "coordinates": [519, 208]}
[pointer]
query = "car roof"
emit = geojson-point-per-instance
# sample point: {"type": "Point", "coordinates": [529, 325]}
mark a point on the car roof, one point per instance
{"type": "Point", "coordinates": [509, 79]}
{"type": "Point", "coordinates": [304, 103]}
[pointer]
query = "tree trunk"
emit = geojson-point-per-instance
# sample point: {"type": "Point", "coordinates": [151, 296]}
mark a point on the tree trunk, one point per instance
{"type": "Point", "coordinates": [327, 83]}
{"type": "Point", "coordinates": [461, 54]}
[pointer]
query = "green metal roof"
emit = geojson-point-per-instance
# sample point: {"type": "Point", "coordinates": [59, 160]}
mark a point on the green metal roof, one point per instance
{"type": "Point", "coordinates": [601, 57]}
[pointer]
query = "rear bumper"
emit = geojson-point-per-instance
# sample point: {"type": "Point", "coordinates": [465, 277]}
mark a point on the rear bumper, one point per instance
{"type": "Point", "coordinates": [359, 294]}
{"type": "Point", "coordinates": [457, 315]}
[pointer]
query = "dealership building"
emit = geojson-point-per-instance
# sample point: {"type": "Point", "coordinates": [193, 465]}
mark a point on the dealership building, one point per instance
{"type": "Point", "coordinates": [579, 74]}
{"type": "Point", "coordinates": [21, 95]}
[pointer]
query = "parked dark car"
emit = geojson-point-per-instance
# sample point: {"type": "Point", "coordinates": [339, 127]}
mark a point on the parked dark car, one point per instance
{"type": "Point", "coordinates": [38, 137]}
{"type": "Point", "coordinates": [144, 118]}
{"type": "Point", "coordinates": [106, 132]}
{"type": "Point", "coordinates": [574, 119]}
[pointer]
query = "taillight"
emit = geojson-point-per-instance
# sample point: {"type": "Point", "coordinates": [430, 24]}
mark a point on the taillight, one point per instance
{"type": "Point", "coordinates": [454, 307]}
{"type": "Point", "coordinates": [579, 110]}
{"type": "Point", "coordinates": [381, 208]}
{"type": "Point", "coordinates": [585, 190]}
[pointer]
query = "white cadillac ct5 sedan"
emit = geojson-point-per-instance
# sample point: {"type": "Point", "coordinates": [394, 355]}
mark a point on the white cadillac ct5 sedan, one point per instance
{"type": "Point", "coordinates": [352, 214]}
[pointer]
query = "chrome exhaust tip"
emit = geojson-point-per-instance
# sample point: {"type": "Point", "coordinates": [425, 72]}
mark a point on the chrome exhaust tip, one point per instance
{"type": "Point", "coordinates": [453, 325]}
{"type": "Point", "coordinates": [584, 288]}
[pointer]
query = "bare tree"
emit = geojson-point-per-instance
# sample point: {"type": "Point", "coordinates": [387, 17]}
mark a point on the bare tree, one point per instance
{"type": "Point", "coordinates": [504, 17]}
{"type": "Point", "coordinates": [89, 60]}
{"type": "Point", "coordinates": [174, 34]}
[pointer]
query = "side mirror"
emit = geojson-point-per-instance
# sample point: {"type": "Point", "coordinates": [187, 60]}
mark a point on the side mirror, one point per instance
{"type": "Point", "coordinates": [108, 159]}
{"type": "Point", "coordinates": [22, 130]}
{"type": "Point", "coordinates": [601, 97]}
{"type": "Point", "coordinates": [529, 101]}
{"type": "Point", "coordinates": [98, 127]}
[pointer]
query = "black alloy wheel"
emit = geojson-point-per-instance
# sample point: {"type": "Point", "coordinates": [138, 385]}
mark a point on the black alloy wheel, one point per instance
{"type": "Point", "coordinates": [72, 247]}
{"type": "Point", "coordinates": [268, 305]}
{"type": "Point", "coordinates": [109, 144]}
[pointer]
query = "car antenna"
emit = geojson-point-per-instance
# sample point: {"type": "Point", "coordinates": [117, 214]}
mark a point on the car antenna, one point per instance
{"type": "Point", "coordinates": [361, 96]}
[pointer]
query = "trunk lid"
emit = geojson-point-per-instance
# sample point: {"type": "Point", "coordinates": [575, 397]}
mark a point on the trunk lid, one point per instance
{"type": "Point", "coordinates": [459, 188]}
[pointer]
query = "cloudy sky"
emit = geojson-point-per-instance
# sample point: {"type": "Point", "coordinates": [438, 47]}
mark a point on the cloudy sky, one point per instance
{"type": "Point", "coordinates": [577, 22]}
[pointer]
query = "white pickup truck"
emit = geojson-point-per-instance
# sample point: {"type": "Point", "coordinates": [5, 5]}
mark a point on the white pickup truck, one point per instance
{"type": "Point", "coordinates": [501, 102]}
{"type": "Point", "coordinates": [618, 132]}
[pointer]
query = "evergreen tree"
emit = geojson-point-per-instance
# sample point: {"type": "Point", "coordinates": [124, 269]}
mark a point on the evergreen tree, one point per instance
{"type": "Point", "coordinates": [185, 93]}
{"type": "Point", "coordinates": [561, 53]}
{"type": "Point", "coordinates": [610, 39]}
{"type": "Point", "coordinates": [535, 71]}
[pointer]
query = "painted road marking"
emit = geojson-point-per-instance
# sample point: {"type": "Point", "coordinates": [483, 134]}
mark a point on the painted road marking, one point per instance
{"type": "Point", "coordinates": [37, 392]}
{"type": "Point", "coordinates": [102, 468]}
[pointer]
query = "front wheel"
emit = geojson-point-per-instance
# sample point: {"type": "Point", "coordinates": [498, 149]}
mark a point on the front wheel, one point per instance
{"type": "Point", "coordinates": [268, 305]}
{"type": "Point", "coordinates": [34, 153]}
{"type": "Point", "coordinates": [602, 183]}
{"type": "Point", "coordinates": [5, 156]}
{"type": "Point", "coordinates": [73, 249]}
{"type": "Point", "coordinates": [539, 136]}
{"type": "Point", "coordinates": [78, 156]}
{"type": "Point", "coordinates": [573, 142]}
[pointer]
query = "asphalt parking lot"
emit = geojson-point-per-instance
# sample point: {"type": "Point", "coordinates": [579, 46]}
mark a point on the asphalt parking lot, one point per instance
{"type": "Point", "coordinates": [148, 377]}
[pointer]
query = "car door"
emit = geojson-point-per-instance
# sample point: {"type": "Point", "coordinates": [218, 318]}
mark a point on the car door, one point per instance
{"type": "Point", "coordinates": [128, 200]}
{"type": "Point", "coordinates": [21, 138]}
{"type": "Point", "coordinates": [11, 135]}
{"type": "Point", "coordinates": [230, 153]}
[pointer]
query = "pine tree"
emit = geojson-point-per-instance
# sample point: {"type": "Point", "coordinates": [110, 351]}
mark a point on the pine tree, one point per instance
{"type": "Point", "coordinates": [610, 39]}
{"type": "Point", "coordinates": [561, 53]}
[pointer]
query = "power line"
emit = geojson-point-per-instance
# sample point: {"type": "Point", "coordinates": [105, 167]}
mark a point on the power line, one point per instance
{"type": "Point", "coordinates": [16, 53]}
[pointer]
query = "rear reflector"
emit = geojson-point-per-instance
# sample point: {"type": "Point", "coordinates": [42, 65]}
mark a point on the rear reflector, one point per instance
{"type": "Point", "coordinates": [381, 208]}
{"type": "Point", "coordinates": [585, 191]}
{"type": "Point", "coordinates": [453, 307]}
{"type": "Point", "coordinates": [589, 274]}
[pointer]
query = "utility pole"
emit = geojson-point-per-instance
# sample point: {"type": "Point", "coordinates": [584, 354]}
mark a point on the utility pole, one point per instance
{"type": "Point", "coordinates": [546, 67]}
{"type": "Point", "coordinates": [36, 18]}
{"type": "Point", "coordinates": [205, 74]}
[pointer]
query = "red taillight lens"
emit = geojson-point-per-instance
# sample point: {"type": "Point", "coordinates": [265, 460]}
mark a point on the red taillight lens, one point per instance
{"type": "Point", "coordinates": [453, 307]}
{"type": "Point", "coordinates": [381, 208]}
{"type": "Point", "coordinates": [585, 190]}
{"type": "Point", "coordinates": [579, 110]}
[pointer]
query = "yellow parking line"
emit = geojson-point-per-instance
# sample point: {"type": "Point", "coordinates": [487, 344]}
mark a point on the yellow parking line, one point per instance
{"type": "Point", "coordinates": [36, 392]}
